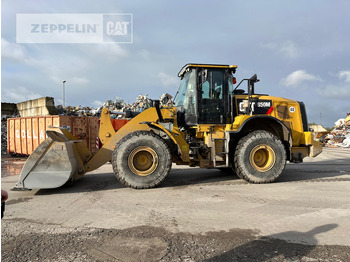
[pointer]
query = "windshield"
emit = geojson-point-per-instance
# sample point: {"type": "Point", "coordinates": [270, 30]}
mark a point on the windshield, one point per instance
{"type": "Point", "coordinates": [230, 83]}
{"type": "Point", "coordinates": [188, 85]}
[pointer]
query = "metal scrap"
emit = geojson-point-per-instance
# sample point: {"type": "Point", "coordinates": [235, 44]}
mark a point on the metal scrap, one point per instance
{"type": "Point", "coordinates": [340, 135]}
{"type": "Point", "coordinates": [4, 131]}
{"type": "Point", "coordinates": [165, 100]}
{"type": "Point", "coordinates": [116, 107]}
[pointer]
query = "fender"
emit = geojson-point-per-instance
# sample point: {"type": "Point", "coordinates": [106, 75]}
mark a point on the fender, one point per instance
{"type": "Point", "coordinates": [287, 135]}
{"type": "Point", "coordinates": [111, 138]}
{"type": "Point", "coordinates": [177, 138]}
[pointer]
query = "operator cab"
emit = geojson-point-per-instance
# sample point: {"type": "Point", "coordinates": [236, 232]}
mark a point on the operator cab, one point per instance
{"type": "Point", "coordinates": [203, 96]}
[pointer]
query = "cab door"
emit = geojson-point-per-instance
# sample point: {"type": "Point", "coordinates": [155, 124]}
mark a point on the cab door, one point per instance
{"type": "Point", "coordinates": [212, 97]}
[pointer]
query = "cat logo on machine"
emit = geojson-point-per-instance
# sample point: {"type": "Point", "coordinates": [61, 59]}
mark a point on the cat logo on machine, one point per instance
{"type": "Point", "coordinates": [258, 107]}
{"type": "Point", "coordinates": [292, 109]}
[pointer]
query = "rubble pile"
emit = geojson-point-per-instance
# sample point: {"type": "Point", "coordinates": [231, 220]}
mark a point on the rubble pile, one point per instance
{"type": "Point", "coordinates": [340, 135]}
{"type": "Point", "coordinates": [118, 107]}
{"type": "Point", "coordinates": [75, 111]}
{"type": "Point", "coordinates": [165, 100]}
{"type": "Point", "coordinates": [4, 131]}
{"type": "Point", "coordinates": [142, 102]}
{"type": "Point", "coordinates": [3, 135]}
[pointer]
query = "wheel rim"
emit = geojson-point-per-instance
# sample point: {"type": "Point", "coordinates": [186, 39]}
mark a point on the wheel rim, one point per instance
{"type": "Point", "coordinates": [262, 158]}
{"type": "Point", "coordinates": [143, 161]}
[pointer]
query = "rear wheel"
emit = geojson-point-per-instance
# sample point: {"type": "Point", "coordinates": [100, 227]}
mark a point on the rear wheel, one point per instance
{"type": "Point", "coordinates": [141, 160]}
{"type": "Point", "coordinates": [260, 157]}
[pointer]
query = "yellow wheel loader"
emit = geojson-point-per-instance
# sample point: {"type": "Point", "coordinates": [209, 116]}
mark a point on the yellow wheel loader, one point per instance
{"type": "Point", "coordinates": [212, 125]}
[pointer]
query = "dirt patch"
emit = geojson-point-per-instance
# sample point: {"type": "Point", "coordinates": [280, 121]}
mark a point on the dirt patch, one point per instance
{"type": "Point", "coordinates": [56, 243]}
{"type": "Point", "coordinates": [18, 200]}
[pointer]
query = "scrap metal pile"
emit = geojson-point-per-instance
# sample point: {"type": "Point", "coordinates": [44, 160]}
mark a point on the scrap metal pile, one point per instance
{"type": "Point", "coordinates": [340, 135]}
{"type": "Point", "coordinates": [118, 107]}
{"type": "Point", "coordinates": [4, 131]}
{"type": "Point", "coordinates": [3, 134]}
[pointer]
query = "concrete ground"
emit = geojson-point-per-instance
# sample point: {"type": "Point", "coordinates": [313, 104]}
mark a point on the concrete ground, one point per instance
{"type": "Point", "coordinates": [195, 215]}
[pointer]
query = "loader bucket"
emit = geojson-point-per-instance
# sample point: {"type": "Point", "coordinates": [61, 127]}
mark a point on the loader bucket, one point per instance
{"type": "Point", "coordinates": [56, 161]}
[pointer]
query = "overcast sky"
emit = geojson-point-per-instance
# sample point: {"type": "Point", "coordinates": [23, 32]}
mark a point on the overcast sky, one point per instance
{"type": "Point", "coordinates": [299, 50]}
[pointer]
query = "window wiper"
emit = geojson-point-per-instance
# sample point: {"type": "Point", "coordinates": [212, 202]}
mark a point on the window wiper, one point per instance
{"type": "Point", "coordinates": [175, 96]}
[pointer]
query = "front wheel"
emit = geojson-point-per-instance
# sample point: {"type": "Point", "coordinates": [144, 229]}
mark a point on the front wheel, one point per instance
{"type": "Point", "coordinates": [141, 160]}
{"type": "Point", "coordinates": [260, 157]}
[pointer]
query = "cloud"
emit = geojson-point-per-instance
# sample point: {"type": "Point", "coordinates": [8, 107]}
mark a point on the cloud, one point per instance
{"type": "Point", "coordinates": [344, 75]}
{"type": "Point", "coordinates": [288, 48]}
{"type": "Point", "coordinates": [145, 54]}
{"type": "Point", "coordinates": [12, 51]}
{"type": "Point", "coordinates": [18, 94]}
{"type": "Point", "coordinates": [58, 101]}
{"type": "Point", "coordinates": [111, 51]}
{"type": "Point", "coordinates": [61, 67]}
{"type": "Point", "coordinates": [167, 80]}
{"type": "Point", "coordinates": [80, 81]}
{"type": "Point", "coordinates": [97, 103]}
{"type": "Point", "coordinates": [297, 77]}
{"type": "Point", "coordinates": [271, 46]}
{"type": "Point", "coordinates": [336, 92]}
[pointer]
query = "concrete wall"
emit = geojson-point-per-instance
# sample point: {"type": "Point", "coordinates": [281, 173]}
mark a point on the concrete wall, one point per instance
{"type": "Point", "coordinates": [37, 107]}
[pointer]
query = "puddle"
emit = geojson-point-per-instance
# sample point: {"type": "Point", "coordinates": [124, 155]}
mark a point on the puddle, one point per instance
{"type": "Point", "coordinates": [11, 166]}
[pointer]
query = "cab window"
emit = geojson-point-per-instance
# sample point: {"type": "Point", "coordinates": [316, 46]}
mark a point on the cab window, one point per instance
{"type": "Point", "coordinates": [211, 92]}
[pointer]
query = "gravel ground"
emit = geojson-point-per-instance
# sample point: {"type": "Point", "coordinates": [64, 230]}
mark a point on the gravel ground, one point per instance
{"type": "Point", "coordinates": [37, 242]}
{"type": "Point", "coordinates": [196, 215]}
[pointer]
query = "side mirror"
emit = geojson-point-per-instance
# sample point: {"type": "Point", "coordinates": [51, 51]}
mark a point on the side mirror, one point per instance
{"type": "Point", "coordinates": [254, 79]}
{"type": "Point", "coordinates": [251, 92]}
{"type": "Point", "coordinates": [251, 82]}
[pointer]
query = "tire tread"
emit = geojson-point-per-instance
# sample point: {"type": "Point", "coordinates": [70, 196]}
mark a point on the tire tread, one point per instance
{"type": "Point", "coordinates": [123, 142]}
{"type": "Point", "coordinates": [255, 135]}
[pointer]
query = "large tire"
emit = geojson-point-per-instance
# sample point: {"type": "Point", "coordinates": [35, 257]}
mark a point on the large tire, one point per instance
{"type": "Point", "coordinates": [141, 160]}
{"type": "Point", "coordinates": [260, 157]}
